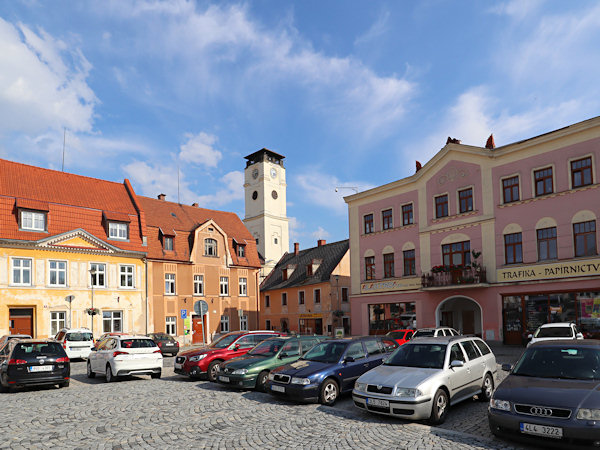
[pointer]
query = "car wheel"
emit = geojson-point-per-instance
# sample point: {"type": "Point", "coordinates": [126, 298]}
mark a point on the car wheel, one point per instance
{"type": "Point", "coordinates": [487, 389]}
{"type": "Point", "coordinates": [212, 370]}
{"type": "Point", "coordinates": [109, 375]}
{"type": "Point", "coordinates": [439, 409]}
{"type": "Point", "coordinates": [329, 392]}
{"type": "Point", "coordinates": [89, 372]}
{"type": "Point", "coordinates": [261, 381]}
{"type": "Point", "coordinates": [156, 374]}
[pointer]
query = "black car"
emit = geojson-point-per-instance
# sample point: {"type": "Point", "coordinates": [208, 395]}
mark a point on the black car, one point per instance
{"type": "Point", "coordinates": [166, 343]}
{"type": "Point", "coordinates": [27, 362]}
{"type": "Point", "coordinates": [551, 397]}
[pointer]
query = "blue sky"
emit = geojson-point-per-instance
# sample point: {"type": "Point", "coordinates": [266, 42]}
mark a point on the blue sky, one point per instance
{"type": "Point", "coordinates": [351, 92]}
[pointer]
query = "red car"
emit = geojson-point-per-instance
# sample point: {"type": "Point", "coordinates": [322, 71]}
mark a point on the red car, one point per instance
{"type": "Point", "coordinates": [401, 336]}
{"type": "Point", "coordinates": [200, 362]}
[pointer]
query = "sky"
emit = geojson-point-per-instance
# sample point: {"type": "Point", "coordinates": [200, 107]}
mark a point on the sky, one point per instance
{"type": "Point", "coordinates": [352, 93]}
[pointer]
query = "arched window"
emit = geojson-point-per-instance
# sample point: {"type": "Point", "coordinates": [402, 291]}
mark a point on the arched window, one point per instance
{"type": "Point", "coordinates": [210, 247]}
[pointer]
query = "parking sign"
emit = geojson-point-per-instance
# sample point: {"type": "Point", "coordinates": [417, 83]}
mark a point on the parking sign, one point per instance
{"type": "Point", "coordinates": [184, 313]}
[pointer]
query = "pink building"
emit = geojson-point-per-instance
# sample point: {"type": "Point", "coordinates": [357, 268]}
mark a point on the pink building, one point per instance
{"type": "Point", "coordinates": [491, 241]}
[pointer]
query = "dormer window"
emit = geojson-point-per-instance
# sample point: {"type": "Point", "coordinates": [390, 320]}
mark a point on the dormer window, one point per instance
{"type": "Point", "coordinates": [309, 270]}
{"type": "Point", "coordinates": [168, 243]}
{"type": "Point", "coordinates": [312, 268]}
{"type": "Point", "coordinates": [118, 230]}
{"type": "Point", "coordinates": [33, 221]}
{"type": "Point", "coordinates": [241, 251]}
{"type": "Point", "coordinates": [210, 247]}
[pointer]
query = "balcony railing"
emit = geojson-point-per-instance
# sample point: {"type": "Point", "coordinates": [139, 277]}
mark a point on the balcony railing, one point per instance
{"type": "Point", "coordinates": [454, 276]}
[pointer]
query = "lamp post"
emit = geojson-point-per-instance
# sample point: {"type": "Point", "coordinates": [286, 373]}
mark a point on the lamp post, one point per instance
{"type": "Point", "coordinates": [93, 280]}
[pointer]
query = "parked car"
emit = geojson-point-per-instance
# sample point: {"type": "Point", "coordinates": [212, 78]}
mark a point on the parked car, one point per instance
{"type": "Point", "coordinates": [106, 336]}
{"type": "Point", "coordinates": [252, 370]}
{"type": "Point", "coordinates": [77, 342]}
{"type": "Point", "coordinates": [329, 369]}
{"type": "Point", "coordinates": [29, 362]}
{"type": "Point", "coordinates": [424, 377]}
{"type": "Point", "coordinates": [200, 362]}
{"type": "Point", "coordinates": [550, 331]}
{"type": "Point", "coordinates": [551, 396]}
{"type": "Point", "coordinates": [7, 337]}
{"type": "Point", "coordinates": [400, 336]}
{"type": "Point", "coordinates": [435, 332]}
{"type": "Point", "coordinates": [120, 356]}
{"type": "Point", "coordinates": [166, 343]}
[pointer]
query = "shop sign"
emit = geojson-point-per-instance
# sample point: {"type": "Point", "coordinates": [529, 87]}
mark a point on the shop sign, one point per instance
{"type": "Point", "coordinates": [391, 285]}
{"type": "Point", "coordinates": [311, 316]}
{"type": "Point", "coordinates": [584, 268]}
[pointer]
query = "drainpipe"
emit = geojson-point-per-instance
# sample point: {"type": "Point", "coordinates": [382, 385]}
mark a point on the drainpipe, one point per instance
{"type": "Point", "coordinates": [146, 293]}
{"type": "Point", "coordinates": [257, 300]}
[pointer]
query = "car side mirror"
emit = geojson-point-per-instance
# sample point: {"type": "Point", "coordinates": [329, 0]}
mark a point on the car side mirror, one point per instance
{"type": "Point", "coordinates": [349, 359]}
{"type": "Point", "coordinates": [529, 336]}
{"type": "Point", "coordinates": [507, 367]}
{"type": "Point", "coordinates": [236, 347]}
{"type": "Point", "coordinates": [456, 363]}
{"type": "Point", "coordinates": [579, 336]}
{"type": "Point", "coordinates": [93, 349]}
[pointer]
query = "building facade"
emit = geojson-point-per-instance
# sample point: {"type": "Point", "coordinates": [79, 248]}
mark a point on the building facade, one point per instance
{"type": "Point", "coordinates": [492, 241]}
{"type": "Point", "coordinates": [69, 244]}
{"type": "Point", "coordinates": [308, 291]}
{"type": "Point", "coordinates": [200, 255]}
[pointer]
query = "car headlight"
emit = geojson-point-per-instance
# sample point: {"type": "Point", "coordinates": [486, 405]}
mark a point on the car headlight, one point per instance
{"type": "Point", "coordinates": [240, 372]}
{"type": "Point", "coordinates": [303, 381]}
{"type": "Point", "coordinates": [407, 392]}
{"type": "Point", "coordinates": [360, 386]}
{"type": "Point", "coordinates": [588, 414]}
{"type": "Point", "coordinates": [198, 357]}
{"type": "Point", "coordinates": [503, 405]}
{"type": "Point", "coordinates": [271, 376]}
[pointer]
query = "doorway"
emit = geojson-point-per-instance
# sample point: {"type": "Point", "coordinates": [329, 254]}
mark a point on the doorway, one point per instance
{"type": "Point", "coordinates": [21, 321]}
{"type": "Point", "coordinates": [199, 330]}
{"type": "Point", "coordinates": [464, 315]}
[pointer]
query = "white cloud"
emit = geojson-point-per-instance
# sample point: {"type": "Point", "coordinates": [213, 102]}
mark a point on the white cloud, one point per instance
{"type": "Point", "coordinates": [232, 189]}
{"type": "Point", "coordinates": [153, 179]}
{"type": "Point", "coordinates": [376, 30]}
{"type": "Point", "coordinates": [517, 9]}
{"type": "Point", "coordinates": [320, 233]}
{"type": "Point", "coordinates": [199, 150]}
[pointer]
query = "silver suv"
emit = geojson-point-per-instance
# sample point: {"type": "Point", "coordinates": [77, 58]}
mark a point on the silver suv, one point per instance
{"type": "Point", "coordinates": [424, 377]}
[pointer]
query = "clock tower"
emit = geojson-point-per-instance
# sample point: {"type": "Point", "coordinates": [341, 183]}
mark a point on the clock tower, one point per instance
{"type": "Point", "coordinates": [266, 212]}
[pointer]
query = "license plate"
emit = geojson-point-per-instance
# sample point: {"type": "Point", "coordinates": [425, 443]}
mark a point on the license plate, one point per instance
{"type": "Point", "coordinates": [277, 388]}
{"type": "Point", "coordinates": [40, 368]}
{"type": "Point", "coordinates": [224, 379]}
{"type": "Point", "coordinates": [377, 402]}
{"type": "Point", "coordinates": [178, 366]}
{"type": "Point", "coordinates": [541, 430]}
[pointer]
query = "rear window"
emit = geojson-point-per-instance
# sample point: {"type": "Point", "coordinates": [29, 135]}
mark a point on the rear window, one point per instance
{"type": "Point", "coordinates": [423, 333]}
{"type": "Point", "coordinates": [137, 343]}
{"type": "Point", "coordinates": [79, 337]}
{"type": "Point", "coordinates": [38, 349]}
{"type": "Point", "coordinates": [396, 334]}
{"type": "Point", "coordinates": [162, 337]}
{"type": "Point", "coordinates": [482, 347]}
{"type": "Point", "coordinates": [552, 332]}
{"type": "Point", "coordinates": [471, 350]}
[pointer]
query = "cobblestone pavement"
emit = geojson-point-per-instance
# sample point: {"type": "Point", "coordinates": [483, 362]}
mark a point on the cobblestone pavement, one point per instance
{"type": "Point", "coordinates": [173, 412]}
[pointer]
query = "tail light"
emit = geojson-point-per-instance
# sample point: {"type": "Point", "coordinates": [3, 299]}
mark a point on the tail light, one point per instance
{"type": "Point", "coordinates": [65, 345]}
{"type": "Point", "coordinates": [62, 360]}
{"type": "Point", "coordinates": [159, 344]}
{"type": "Point", "coordinates": [119, 353]}
{"type": "Point", "coordinates": [14, 362]}
{"type": "Point", "coordinates": [157, 351]}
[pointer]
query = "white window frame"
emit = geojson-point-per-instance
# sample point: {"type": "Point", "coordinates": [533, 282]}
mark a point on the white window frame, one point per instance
{"type": "Point", "coordinates": [57, 271]}
{"type": "Point", "coordinates": [100, 270]}
{"type": "Point", "coordinates": [168, 243]}
{"type": "Point", "coordinates": [56, 322]}
{"type": "Point", "coordinates": [244, 323]}
{"type": "Point", "coordinates": [170, 287]}
{"type": "Point", "coordinates": [223, 286]}
{"type": "Point", "coordinates": [209, 248]}
{"type": "Point", "coordinates": [118, 231]}
{"type": "Point", "coordinates": [21, 271]}
{"type": "Point", "coordinates": [36, 218]}
{"type": "Point", "coordinates": [243, 286]}
{"type": "Point", "coordinates": [115, 316]}
{"type": "Point", "coordinates": [199, 284]}
{"type": "Point", "coordinates": [241, 251]}
{"type": "Point", "coordinates": [171, 325]}
{"type": "Point", "coordinates": [124, 272]}
{"type": "Point", "coordinates": [224, 324]}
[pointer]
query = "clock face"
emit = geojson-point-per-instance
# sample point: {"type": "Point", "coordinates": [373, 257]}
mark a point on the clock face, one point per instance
{"type": "Point", "coordinates": [274, 195]}
{"type": "Point", "coordinates": [254, 195]}
{"type": "Point", "coordinates": [255, 173]}
{"type": "Point", "coordinates": [273, 173]}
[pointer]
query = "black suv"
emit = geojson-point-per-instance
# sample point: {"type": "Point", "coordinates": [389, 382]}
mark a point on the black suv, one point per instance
{"type": "Point", "coordinates": [166, 343]}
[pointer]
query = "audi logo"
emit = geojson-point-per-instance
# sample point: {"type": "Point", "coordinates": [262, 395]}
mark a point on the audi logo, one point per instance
{"type": "Point", "coordinates": [538, 411]}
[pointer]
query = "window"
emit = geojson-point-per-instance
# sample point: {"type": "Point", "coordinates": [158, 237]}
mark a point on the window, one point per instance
{"type": "Point", "coordinates": [409, 262]}
{"type": "Point", "coordinates": [275, 241]}
{"type": "Point", "coordinates": [510, 189]}
{"type": "Point", "coordinates": [112, 321]}
{"type": "Point", "coordinates": [283, 299]}
{"type": "Point", "coordinates": [317, 296]}
{"type": "Point", "coordinates": [33, 221]}
{"type": "Point", "coordinates": [344, 294]}
{"type": "Point", "coordinates": [244, 323]}
{"type": "Point", "coordinates": [224, 286]}
{"type": "Point", "coordinates": [118, 230]}
{"type": "Point", "coordinates": [171, 325]}
{"type": "Point", "coordinates": [169, 283]}
{"type": "Point", "coordinates": [267, 303]}
{"type": "Point", "coordinates": [465, 198]}
{"type": "Point", "coordinates": [21, 272]}
{"type": "Point", "coordinates": [388, 265]}
{"type": "Point", "coordinates": [198, 284]}
{"type": "Point", "coordinates": [471, 350]}
{"type": "Point", "coordinates": [543, 181]}
{"type": "Point", "coordinates": [585, 238]}
{"type": "Point", "coordinates": [126, 276]}
{"type": "Point", "coordinates": [368, 223]}
{"type": "Point", "coordinates": [407, 214]}
{"type": "Point", "coordinates": [301, 297]}
{"type": "Point", "coordinates": [546, 243]}
{"type": "Point", "coordinates": [224, 324]}
{"type": "Point", "coordinates": [457, 254]}
{"type": "Point", "coordinates": [243, 287]}
{"type": "Point", "coordinates": [456, 354]}
{"type": "Point", "coordinates": [370, 268]}
{"type": "Point", "coordinates": [267, 324]}
{"type": "Point", "coordinates": [210, 247]}
{"type": "Point", "coordinates": [168, 243]}
{"type": "Point", "coordinates": [58, 273]}
{"type": "Point", "coordinates": [356, 350]}
{"type": "Point", "coordinates": [387, 219]}
{"type": "Point", "coordinates": [441, 206]}
{"type": "Point", "coordinates": [513, 248]}
{"type": "Point", "coordinates": [98, 275]}
{"type": "Point", "coordinates": [284, 274]}
{"type": "Point", "coordinates": [58, 321]}
{"type": "Point", "coordinates": [241, 251]}
{"type": "Point", "coordinates": [581, 172]}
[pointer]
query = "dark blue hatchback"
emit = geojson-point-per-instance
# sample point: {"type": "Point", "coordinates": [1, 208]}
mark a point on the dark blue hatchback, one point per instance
{"type": "Point", "coordinates": [329, 368]}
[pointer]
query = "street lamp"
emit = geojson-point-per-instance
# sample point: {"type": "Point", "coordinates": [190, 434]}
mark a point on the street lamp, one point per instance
{"type": "Point", "coordinates": [93, 280]}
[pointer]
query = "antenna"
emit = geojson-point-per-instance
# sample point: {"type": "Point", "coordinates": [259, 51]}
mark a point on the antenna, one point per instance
{"type": "Point", "coordinates": [64, 141]}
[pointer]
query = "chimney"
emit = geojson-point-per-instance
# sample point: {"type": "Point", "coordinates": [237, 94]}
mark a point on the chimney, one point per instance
{"type": "Point", "coordinates": [296, 248]}
{"type": "Point", "coordinates": [490, 142]}
{"type": "Point", "coordinates": [195, 204]}
{"type": "Point", "coordinates": [321, 242]}
{"type": "Point", "coordinates": [162, 197]}
{"type": "Point", "coordinates": [419, 166]}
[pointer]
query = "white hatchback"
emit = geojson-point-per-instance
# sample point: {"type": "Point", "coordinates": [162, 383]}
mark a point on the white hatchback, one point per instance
{"type": "Point", "coordinates": [77, 342]}
{"type": "Point", "coordinates": [552, 331]}
{"type": "Point", "coordinates": [125, 355]}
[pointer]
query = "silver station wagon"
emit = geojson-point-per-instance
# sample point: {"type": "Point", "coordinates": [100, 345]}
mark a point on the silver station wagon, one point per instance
{"type": "Point", "coordinates": [424, 377]}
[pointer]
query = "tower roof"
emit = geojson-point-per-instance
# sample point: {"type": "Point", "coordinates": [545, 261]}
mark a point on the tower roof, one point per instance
{"type": "Point", "coordinates": [264, 154]}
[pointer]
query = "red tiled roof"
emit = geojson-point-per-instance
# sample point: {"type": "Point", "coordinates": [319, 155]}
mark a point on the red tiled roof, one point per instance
{"type": "Point", "coordinates": [116, 216]}
{"type": "Point", "coordinates": [27, 203]}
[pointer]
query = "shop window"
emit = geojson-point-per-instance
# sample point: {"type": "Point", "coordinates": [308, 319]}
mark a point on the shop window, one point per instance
{"type": "Point", "coordinates": [465, 198]}
{"type": "Point", "coordinates": [441, 206]}
{"type": "Point", "coordinates": [543, 181]}
{"type": "Point", "coordinates": [513, 248]}
{"type": "Point", "coordinates": [407, 214]}
{"type": "Point", "coordinates": [370, 268]}
{"type": "Point", "coordinates": [387, 219]}
{"type": "Point", "coordinates": [409, 262]}
{"type": "Point", "coordinates": [368, 223]}
{"type": "Point", "coordinates": [384, 317]}
{"type": "Point", "coordinates": [585, 238]}
{"type": "Point", "coordinates": [388, 265]}
{"type": "Point", "coordinates": [581, 172]}
{"type": "Point", "coordinates": [546, 243]}
{"type": "Point", "coordinates": [457, 254]}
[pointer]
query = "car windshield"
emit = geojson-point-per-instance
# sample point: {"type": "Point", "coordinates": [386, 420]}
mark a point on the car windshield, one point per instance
{"type": "Point", "coordinates": [37, 349]}
{"type": "Point", "coordinates": [270, 347]}
{"type": "Point", "coordinates": [559, 362]}
{"type": "Point", "coordinates": [430, 356]}
{"type": "Point", "coordinates": [137, 343]}
{"type": "Point", "coordinates": [423, 333]}
{"type": "Point", "coordinates": [225, 341]}
{"type": "Point", "coordinates": [79, 337]}
{"type": "Point", "coordinates": [396, 334]}
{"type": "Point", "coordinates": [553, 332]}
{"type": "Point", "coordinates": [327, 352]}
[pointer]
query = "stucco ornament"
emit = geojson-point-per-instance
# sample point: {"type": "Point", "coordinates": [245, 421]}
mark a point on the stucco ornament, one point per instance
{"type": "Point", "coordinates": [452, 175]}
